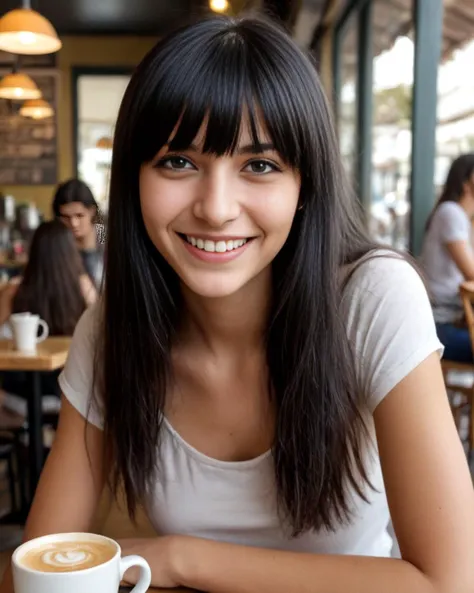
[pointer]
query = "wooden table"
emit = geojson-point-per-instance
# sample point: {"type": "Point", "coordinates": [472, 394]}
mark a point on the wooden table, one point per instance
{"type": "Point", "coordinates": [50, 356]}
{"type": "Point", "coordinates": [153, 590]}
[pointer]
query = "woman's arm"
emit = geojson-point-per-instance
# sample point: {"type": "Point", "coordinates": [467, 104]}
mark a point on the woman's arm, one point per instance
{"type": "Point", "coordinates": [6, 299]}
{"type": "Point", "coordinates": [463, 257]}
{"type": "Point", "coordinates": [71, 482]}
{"type": "Point", "coordinates": [88, 289]}
{"type": "Point", "coordinates": [431, 501]}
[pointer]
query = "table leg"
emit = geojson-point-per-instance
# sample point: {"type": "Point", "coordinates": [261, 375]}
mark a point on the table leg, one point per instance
{"type": "Point", "coordinates": [35, 430]}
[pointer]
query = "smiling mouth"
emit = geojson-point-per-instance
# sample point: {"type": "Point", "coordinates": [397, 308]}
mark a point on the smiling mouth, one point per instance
{"type": "Point", "coordinates": [215, 246]}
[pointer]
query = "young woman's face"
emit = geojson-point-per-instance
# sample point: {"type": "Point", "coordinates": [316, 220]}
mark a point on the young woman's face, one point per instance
{"type": "Point", "coordinates": [219, 222]}
{"type": "Point", "coordinates": [78, 218]}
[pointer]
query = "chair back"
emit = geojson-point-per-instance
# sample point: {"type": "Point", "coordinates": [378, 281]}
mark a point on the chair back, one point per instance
{"type": "Point", "coordinates": [467, 296]}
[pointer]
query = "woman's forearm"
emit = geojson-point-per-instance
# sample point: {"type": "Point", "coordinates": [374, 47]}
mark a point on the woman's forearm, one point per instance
{"type": "Point", "coordinates": [225, 568]}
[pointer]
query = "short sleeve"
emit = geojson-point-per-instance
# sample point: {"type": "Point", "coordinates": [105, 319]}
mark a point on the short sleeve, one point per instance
{"type": "Point", "coordinates": [452, 223]}
{"type": "Point", "coordinates": [76, 379]}
{"type": "Point", "coordinates": [390, 324]}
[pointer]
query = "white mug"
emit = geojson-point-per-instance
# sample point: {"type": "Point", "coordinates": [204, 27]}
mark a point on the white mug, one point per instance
{"type": "Point", "coordinates": [103, 578]}
{"type": "Point", "coordinates": [25, 331]}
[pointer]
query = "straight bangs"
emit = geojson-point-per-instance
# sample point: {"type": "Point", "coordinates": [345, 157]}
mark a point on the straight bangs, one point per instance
{"type": "Point", "coordinates": [222, 83]}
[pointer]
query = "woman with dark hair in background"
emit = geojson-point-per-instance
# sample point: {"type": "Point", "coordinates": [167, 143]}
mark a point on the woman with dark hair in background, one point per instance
{"type": "Point", "coordinates": [259, 375]}
{"type": "Point", "coordinates": [76, 207]}
{"type": "Point", "coordinates": [448, 258]}
{"type": "Point", "coordinates": [54, 286]}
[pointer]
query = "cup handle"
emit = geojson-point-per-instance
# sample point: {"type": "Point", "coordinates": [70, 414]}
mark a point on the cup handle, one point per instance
{"type": "Point", "coordinates": [145, 572]}
{"type": "Point", "coordinates": [44, 331]}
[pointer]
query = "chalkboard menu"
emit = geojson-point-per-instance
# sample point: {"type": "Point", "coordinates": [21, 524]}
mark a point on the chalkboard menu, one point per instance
{"type": "Point", "coordinates": [28, 147]}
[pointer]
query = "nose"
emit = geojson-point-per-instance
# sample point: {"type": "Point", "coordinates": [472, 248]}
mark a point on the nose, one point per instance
{"type": "Point", "coordinates": [217, 201]}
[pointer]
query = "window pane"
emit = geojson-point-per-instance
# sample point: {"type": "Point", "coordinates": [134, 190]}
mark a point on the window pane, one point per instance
{"type": "Point", "coordinates": [392, 132]}
{"type": "Point", "coordinates": [98, 101]}
{"type": "Point", "coordinates": [347, 109]}
{"type": "Point", "coordinates": [455, 131]}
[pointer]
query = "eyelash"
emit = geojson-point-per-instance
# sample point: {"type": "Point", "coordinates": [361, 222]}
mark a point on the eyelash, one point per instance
{"type": "Point", "coordinates": [162, 164]}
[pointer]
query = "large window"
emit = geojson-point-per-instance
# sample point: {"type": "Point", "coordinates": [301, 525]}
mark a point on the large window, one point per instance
{"type": "Point", "coordinates": [393, 68]}
{"type": "Point", "coordinates": [98, 97]}
{"type": "Point", "coordinates": [455, 131]}
{"type": "Point", "coordinates": [347, 100]}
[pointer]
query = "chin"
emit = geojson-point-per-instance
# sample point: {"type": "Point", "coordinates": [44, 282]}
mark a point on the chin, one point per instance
{"type": "Point", "coordinates": [214, 288]}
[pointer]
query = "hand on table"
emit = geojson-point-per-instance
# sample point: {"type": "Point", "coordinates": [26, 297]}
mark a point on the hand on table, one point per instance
{"type": "Point", "coordinates": [161, 555]}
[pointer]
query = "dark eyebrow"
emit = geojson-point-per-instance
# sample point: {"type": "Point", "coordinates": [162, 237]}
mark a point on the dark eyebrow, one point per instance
{"type": "Point", "coordinates": [255, 148]}
{"type": "Point", "coordinates": [247, 149]}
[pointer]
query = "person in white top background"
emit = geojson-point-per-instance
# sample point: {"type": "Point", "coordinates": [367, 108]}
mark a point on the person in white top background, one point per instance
{"type": "Point", "coordinates": [258, 374]}
{"type": "Point", "coordinates": [448, 259]}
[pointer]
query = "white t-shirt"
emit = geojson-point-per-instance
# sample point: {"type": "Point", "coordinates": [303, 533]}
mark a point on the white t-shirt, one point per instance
{"type": "Point", "coordinates": [390, 324]}
{"type": "Point", "coordinates": [449, 223]}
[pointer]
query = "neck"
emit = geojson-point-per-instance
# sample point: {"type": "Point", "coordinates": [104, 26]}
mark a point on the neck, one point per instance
{"type": "Point", "coordinates": [229, 323]}
{"type": "Point", "coordinates": [87, 242]}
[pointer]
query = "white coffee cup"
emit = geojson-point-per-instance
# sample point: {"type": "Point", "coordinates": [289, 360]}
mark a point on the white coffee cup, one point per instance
{"type": "Point", "coordinates": [103, 578]}
{"type": "Point", "coordinates": [25, 331]}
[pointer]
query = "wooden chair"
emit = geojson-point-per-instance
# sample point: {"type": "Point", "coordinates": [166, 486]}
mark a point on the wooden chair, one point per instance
{"type": "Point", "coordinates": [462, 396]}
{"type": "Point", "coordinates": [467, 297]}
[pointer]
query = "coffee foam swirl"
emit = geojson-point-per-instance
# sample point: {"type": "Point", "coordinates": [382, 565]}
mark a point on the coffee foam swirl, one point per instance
{"type": "Point", "coordinates": [70, 558]}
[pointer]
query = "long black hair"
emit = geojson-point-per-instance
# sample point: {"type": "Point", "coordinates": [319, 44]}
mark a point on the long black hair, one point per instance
{"type": "Point", "coordinates": [460, 172]}
{"type": "Point", "coordinates": [215, 71]}
{"type": "Point", "coordinates": [51, 285]}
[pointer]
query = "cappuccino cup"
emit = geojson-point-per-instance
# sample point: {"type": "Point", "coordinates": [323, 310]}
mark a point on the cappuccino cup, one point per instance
{"type": "Point", "coordinates": [25, 331]}
{"type": "Point", "coordinates": [74, 563]}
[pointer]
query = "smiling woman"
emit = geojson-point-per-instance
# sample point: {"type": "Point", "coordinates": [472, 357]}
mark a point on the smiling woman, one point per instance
{"type": "Point", "coordinates": [263, 378]}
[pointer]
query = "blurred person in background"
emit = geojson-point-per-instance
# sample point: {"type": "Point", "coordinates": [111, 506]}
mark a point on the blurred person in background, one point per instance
{"type": "Point", "coordinates": [54, 286]}
{"type": "Point", "coordinates": [76, 207]}
{"type": "Point", "coordinates": [448, 258]}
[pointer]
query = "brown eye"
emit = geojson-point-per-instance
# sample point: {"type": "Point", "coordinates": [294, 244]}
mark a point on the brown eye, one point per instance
{"type": "Point", "coordinates": [175, 163]}
{"type": "Point", "coordinates": [260, 167]}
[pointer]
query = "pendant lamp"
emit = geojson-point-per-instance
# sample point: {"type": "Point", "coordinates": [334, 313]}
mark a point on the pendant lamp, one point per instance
{"type": "Point", "coordinates": [36, 109]}
{"type": "Point", "coordinates": [18, 86]}
{"type": "Point", "coordinates": [25, 31]}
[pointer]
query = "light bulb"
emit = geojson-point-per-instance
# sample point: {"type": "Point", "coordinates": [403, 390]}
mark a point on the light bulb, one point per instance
{"type": "Point", "coordinates": [18, 92]}
{"type": "Point", "coordinates": [219, 5]}
{"type": "Point", "coordinates": [26, 37]}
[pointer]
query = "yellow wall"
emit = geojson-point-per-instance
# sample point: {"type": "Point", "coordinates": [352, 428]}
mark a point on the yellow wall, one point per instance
{"type": "Point", "coordinates": [76, 52]}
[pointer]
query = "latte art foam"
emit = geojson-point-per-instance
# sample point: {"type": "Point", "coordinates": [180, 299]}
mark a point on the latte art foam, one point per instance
{"type": "Point", "coordinates": [68, 556]}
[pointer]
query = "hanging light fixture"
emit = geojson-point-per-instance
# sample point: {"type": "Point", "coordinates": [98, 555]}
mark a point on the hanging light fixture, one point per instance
{"type": "Point", "coordinates": [104, 143]}
{"type": "Point", "coordinates": [36, 109]}
{"type": "Point", "coordinates": [219, 5]}
{"type": "Point", "coordinates": [25, 31]}
{"type": "Point", "coordinates": [18, 87]}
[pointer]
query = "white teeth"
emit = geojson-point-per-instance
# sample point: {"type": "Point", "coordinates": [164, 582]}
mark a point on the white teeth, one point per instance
{"type": "Point", "coordinates": [215, 246]}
